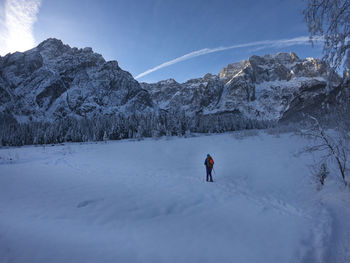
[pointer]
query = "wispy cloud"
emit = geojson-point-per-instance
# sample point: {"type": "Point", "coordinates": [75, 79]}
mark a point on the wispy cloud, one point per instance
{"type": "Point", "coordinates": [16, 25]}
{"type": "Point", "coordinates": [259, 44]}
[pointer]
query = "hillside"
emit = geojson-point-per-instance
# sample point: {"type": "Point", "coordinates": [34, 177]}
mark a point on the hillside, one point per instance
{"type": "Point", "coordinates": [55, 93]}
{"type": "Point", "coordinates": [54, 81]}
{"type": "Point", "coordinates": [257, 88]}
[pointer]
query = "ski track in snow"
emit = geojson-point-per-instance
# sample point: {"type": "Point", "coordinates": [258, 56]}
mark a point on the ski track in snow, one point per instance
{"type": "Point", "coordinates": [148, 201]}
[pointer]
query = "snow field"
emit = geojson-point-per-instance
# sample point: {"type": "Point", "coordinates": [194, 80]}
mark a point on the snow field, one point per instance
{"type": "Point", "coordinates": [147, 201]}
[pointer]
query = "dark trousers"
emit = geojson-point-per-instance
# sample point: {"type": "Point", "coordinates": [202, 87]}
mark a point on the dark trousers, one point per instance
{"type": "Point", "coordinates": [209, 177]}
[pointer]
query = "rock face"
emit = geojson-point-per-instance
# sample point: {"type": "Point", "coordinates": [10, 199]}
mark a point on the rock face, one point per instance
{"type": "Point", "coordinates": [193, 96]}
{"type": "Point", "coordinates": [53, 80]}
{"type": "Point", "coordinates": [259, 88]}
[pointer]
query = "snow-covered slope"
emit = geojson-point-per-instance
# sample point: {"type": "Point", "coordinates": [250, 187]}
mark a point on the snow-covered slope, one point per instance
{"type": "Point", "coordinates": [193, 96]}
{"type": "Point", "coordinates": [260, 87]}
{"type": "Point", "coordinates": [147, 201]}
{"type": "Point", "coordinates": [54, 80]}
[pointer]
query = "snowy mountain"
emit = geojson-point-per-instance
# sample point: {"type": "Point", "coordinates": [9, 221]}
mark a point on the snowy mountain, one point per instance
{"type": "Point", "coordinates": [260, 88]}
{"type": "Point", "coordinates": [54, 80]}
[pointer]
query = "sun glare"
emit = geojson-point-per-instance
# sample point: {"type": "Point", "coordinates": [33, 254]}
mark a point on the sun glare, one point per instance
{"type": "Point", "coordinates": [17, 31]}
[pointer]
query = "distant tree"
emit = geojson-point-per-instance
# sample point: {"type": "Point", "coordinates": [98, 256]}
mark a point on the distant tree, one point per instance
{"type": "Point", "coordinates": [187, 133]}
{"type": "Point", "coordinates": [330, 19]}
{"type": "Point", "coordinates": [139, 133]}
{"type": "Point", "coordinates": [105, 137]}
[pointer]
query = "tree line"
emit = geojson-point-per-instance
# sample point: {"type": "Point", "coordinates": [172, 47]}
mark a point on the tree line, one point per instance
{"type": "Point", "coordinates": [121, 126]}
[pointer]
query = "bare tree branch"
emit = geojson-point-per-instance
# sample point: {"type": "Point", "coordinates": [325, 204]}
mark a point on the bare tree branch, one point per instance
{"type": "Point", "coordinates": [330, 19]}
{"type": "Point", "coordinates": [334, 145]}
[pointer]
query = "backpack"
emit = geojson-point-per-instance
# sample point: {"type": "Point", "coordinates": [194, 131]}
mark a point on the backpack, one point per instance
{"type": "Point", "coordinates": [210, 162]}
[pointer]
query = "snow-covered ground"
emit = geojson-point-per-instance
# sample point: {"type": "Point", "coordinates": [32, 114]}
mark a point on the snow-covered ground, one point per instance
{"type": "Point", "coordinates": [147, 201]}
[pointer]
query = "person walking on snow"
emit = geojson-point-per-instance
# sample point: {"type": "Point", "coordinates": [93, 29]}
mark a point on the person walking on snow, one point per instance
{"type": "Point", "coordinates": [209, 164]}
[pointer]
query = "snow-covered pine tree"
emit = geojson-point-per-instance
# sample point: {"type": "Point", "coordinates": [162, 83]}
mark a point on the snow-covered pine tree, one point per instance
{"type": "Point", "coordinates": [105, 137]}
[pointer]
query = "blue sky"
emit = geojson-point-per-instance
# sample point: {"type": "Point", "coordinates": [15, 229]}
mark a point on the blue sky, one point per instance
{"type": "Point", "coordinates": [142, 34]}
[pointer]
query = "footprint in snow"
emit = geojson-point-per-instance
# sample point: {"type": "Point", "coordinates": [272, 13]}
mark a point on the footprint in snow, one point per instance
{"type": "Point", "coordinates": [88, 202]}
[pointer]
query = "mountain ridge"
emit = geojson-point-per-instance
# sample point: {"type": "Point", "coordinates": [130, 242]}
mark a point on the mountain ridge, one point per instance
{"type": "Point", "coordinates": [53, 81]}
{"type": "Point", "coordinates": [259, 87]}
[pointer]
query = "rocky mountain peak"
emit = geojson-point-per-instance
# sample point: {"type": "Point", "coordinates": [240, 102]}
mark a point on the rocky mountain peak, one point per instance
{"type": "Point", "coordinates": [231, 70]}
{"type": "Point", "coordinates": [282, 58]}
{"type": "Point", "coordinates": [280, 66]}
{"type": "Point", "coordinates": [209, 76]}
{"type": "Point", "coordinates": [259, 87]}
{"type": "Point", "coordinates": [52, 43]}
{"type": "Point", "coordinates": [168, 82]}
{"type": "Point", "coordinates": [53, 80]}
